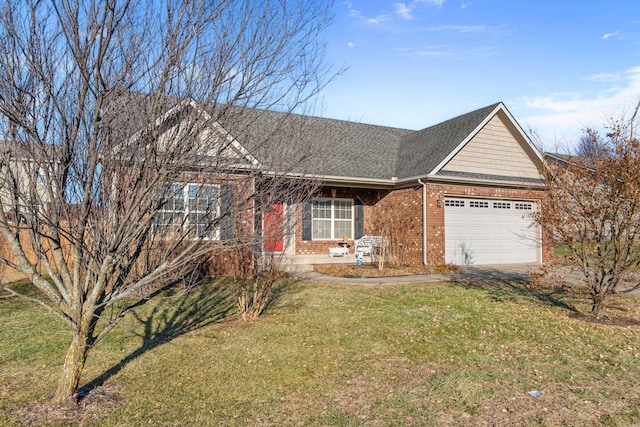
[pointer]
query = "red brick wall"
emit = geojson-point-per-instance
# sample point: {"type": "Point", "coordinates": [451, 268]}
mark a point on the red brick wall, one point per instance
{"type": "Point", "coordinates": [406, 205]}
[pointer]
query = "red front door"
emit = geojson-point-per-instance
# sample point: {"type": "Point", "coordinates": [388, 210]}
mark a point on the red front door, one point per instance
{"type": "Point", "coordinates": [273, 225]}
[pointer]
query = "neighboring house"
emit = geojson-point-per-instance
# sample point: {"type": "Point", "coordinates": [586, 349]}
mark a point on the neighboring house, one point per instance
{"type": "Point", "coordinates": [18, 171]}
{"type": "Point", "coordinates": [464, 188]}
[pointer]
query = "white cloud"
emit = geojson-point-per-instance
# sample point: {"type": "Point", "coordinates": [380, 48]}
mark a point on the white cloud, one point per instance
{"type": "Point", "coordinates": [431, 2]}
{"type": "Point", "coordinates": [432, 51]}
{"type": "Point", "coordinates": [351, 44]}
{"type": "Point", "coordinates": [609, 35]}
{"type": "Point", "coordinates": [464, 4]}
{"type": "Point", "coordinates": [367, 20]}
{"type": "Point", "coordinates": [461, 28]}
{"type": "Point", "coordinates": [402, 10]}
{"type": "Point", "coordinates": [605, 77]}
{"type": "Point", "coordinates": [559, 118]}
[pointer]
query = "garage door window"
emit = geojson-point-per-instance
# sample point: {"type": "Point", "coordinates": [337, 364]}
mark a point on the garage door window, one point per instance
{"type": "Point", "coordinates": [501, 205]}
{"type": "Point", "coordinates": [478, 204]}
{"type": "Point", "coordinates": [454, 203]}
{"type": "Point", "coordinates": [524, 206]}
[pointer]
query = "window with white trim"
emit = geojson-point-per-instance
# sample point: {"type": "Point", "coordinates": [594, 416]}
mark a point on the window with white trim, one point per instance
{"type": "Point", "coordinates": [332, 219]}
{"type": "Point", "coordinates": [501, 205]}
{"type": "Point", "coordinates": [192, 208]}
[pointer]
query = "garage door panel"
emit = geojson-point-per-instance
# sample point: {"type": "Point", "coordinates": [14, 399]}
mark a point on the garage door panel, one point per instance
{"type": "Point", "coordinates": [490, 232]}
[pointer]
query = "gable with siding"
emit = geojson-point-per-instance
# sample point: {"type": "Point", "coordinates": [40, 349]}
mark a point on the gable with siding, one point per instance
{"type": "Point", "coordinates": [496, 150]}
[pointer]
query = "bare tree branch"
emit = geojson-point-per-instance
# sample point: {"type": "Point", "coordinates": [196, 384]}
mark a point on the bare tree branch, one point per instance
{"type": "Point", "coordinates": [132, 142]}
{"type": "Point", "coordinates": [592, 207]}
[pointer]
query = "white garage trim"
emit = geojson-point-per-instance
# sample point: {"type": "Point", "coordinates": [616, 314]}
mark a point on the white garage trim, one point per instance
{"type": "Point", "coordinates": [482, 231]}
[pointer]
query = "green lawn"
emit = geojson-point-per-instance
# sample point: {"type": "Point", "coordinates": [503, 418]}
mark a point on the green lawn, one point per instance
{"type": "Point", "coordinates": [344, 355]}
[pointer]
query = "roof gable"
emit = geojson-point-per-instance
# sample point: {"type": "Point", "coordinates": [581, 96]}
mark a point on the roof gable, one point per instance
{"type": "Point", "coordinates": [497, 151]}
{"type": "Point", "coordinates": [187, 120]}
{"type": "Point", "coordinates": [421, 152]}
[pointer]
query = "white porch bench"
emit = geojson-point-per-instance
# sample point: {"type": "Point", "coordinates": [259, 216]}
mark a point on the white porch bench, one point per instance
{"type": "Point", "coordinates": [366, 244]}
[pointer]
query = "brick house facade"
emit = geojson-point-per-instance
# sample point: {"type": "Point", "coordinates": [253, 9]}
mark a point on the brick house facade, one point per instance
{"type": "Point", "coordinates": [481, 156]}
{"type": "Point", "coordinates": [461, 191]}
{"type": "Point", "coordinates": [406, 203]}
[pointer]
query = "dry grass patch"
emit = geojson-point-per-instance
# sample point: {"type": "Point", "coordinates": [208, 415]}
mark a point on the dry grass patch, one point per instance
{"type": "Point", "coordinates": [371, 270]}
{"type": "Point", "coordinates": [332, 355]}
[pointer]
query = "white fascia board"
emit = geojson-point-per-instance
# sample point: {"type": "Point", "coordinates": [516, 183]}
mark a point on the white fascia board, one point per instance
{"type": "Point", "coordinates": [170, 112]}
{"type": "Point", "coordinates": [346, 179]}
{"type": "Point", "coordinates": [192, 103]}
{"type": "Point", "coordinates": [230, 139]}
{"type": "Point", "coordinates": [466, 140]}
{"type": "Point", "coordinates": [453, 180]}
{"type": "Point", "coordinates": [235, 144]}
{"type": "Point", "coordinates": [522, 133]}
{"type": "Point", "coordinates": [499, 107]}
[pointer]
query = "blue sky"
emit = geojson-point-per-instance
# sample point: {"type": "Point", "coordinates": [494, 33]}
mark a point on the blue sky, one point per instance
{"type": "Point", "coordinates": [559, 66]}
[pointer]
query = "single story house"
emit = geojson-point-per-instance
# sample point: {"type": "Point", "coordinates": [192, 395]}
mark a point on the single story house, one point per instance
{"type": "Point", "coordinates": [458, 192]}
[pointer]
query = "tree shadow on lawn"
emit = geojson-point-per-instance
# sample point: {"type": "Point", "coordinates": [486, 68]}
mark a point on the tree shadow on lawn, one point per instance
{"type": "Point", "coordinates": [553, 291]}
{"type": "Point", "coordinates": [175, 313]}
{"type": "Point", "coordinates": [179, 313]}
{"type": "Point", "coordinates": [512, 287]}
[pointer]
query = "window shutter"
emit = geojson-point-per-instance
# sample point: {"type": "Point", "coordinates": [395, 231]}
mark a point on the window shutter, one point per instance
{"type": "Point", "coordinates": [306, 222]}
{"type": "Point", "coordinates": [226, 210]}
{"type": "Point", "coordinates": [359, 219]}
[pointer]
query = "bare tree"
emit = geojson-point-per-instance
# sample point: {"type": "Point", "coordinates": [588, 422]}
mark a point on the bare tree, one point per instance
{"type": "Point", "coordinates": [114, 182]}
{"type": "Point", "coordinates": [590, 145]}
{"type": "Point", "coordinates": [592, 206]}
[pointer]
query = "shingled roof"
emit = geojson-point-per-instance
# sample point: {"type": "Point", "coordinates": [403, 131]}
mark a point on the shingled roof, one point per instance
{"type": "Point", "coordinates": [318, 146]}
{"type": "Point", "coordinates": [356, 151]}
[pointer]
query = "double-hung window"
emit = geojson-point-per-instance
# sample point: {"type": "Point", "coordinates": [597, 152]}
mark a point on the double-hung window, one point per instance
{"type": "Point", "coordinates": [192, 208]}
{"type": "Point", "coordinates": [332, 219]}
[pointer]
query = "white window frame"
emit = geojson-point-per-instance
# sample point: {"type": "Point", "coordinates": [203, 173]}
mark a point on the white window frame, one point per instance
{"type": "Point", "coordinates": [332, 219]}
{"type": "Point", "coordinates": [181, 206]}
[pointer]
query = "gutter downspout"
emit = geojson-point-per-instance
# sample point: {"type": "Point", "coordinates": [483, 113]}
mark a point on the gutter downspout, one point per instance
{"type": "Point", "coordinates": [424, 221]}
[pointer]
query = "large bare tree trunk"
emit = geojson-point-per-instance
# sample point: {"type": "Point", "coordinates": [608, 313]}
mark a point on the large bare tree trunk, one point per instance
{"type": "Point", "coordinates": [69, 382]}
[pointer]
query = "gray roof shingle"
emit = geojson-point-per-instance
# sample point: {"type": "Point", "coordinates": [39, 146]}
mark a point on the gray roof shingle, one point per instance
{"type": "Point", "coordinates": [421, 151]}
{"type": "Point", "coordinates": [337, 148]}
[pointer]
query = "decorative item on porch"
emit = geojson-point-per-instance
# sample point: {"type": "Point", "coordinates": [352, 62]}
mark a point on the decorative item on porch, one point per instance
{"type": "Point", "coordinates": [342, 249]}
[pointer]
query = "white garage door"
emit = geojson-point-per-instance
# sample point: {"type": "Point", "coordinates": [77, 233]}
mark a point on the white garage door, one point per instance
{"type": "Point", "coordinates": [488, 231]}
